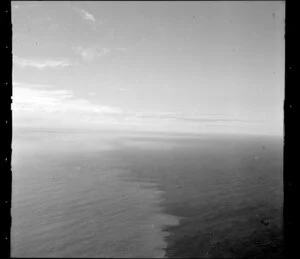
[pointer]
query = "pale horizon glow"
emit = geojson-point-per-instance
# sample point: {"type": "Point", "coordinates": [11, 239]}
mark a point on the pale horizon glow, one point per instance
{"type": "Point", "coordinates": [198, 67]}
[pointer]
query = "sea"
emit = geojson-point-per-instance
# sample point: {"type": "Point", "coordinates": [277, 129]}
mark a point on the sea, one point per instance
{"type": "Point", "coordinates": [146, 195]}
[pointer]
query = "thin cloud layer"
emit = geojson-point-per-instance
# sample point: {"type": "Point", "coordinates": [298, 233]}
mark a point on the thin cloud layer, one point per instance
{"type": "Point", "coordinates": [187, 118]}
{"type": "Point", "coordinates": [41, 64]}
{"type": "Point", "coordinates": [37, 101]}
{"type": "Point", "coordinates": [212, 120]}
{"type": "Point", "coordinates": [19, 84]}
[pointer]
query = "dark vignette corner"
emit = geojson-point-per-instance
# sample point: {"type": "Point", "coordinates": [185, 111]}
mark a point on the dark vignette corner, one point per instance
{"type": "Point", "coordinates": [6, 128]}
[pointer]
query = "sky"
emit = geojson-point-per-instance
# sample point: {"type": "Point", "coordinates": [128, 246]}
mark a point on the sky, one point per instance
{"type": "Point", "coordinates": [201, 67]}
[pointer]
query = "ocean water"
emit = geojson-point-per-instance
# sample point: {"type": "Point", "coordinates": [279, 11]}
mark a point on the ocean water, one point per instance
{"type": "Point", "coordinates": [79, 194]}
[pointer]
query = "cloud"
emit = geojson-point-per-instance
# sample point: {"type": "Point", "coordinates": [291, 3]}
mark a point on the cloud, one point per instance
{"type": "Point", "coordinates": [122, 89]}
{"type": "Point", "coordinates": [34, 99]}
{"type": "Point", "coordinates": [87, 54]}
{"type": "Point", "coordinates": [41, 64]}
{"type": "Point", "coordinates": [90, 53]}
{"type": "Point", "coordinates": [91, 93]}
{"type": "Point", "coordinates": [121, 49]}
{"type": "Point", "coordinates": [103, 51]}
{"type": "Point", "coordinates": [87, 16]}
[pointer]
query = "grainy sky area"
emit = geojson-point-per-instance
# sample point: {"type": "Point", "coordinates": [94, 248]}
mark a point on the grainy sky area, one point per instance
{"type": "Point", "coordinates": [207, 67]}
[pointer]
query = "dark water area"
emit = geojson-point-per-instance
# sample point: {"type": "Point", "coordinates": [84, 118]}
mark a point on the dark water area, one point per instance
{"type": "Point", "coordinates": [227, 192]}
{"type": "Point", "coordinates": [93, 195]}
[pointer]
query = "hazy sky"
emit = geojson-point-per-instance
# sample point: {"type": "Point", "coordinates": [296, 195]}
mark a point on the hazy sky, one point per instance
{"type": "Point", "coordinates": [169, 66]}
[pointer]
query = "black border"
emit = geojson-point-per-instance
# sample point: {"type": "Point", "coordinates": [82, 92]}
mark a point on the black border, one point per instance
{"type": "Point", "coordinates": [6, 128]}
{"type": "Point", "coordinates": [291, 132]}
